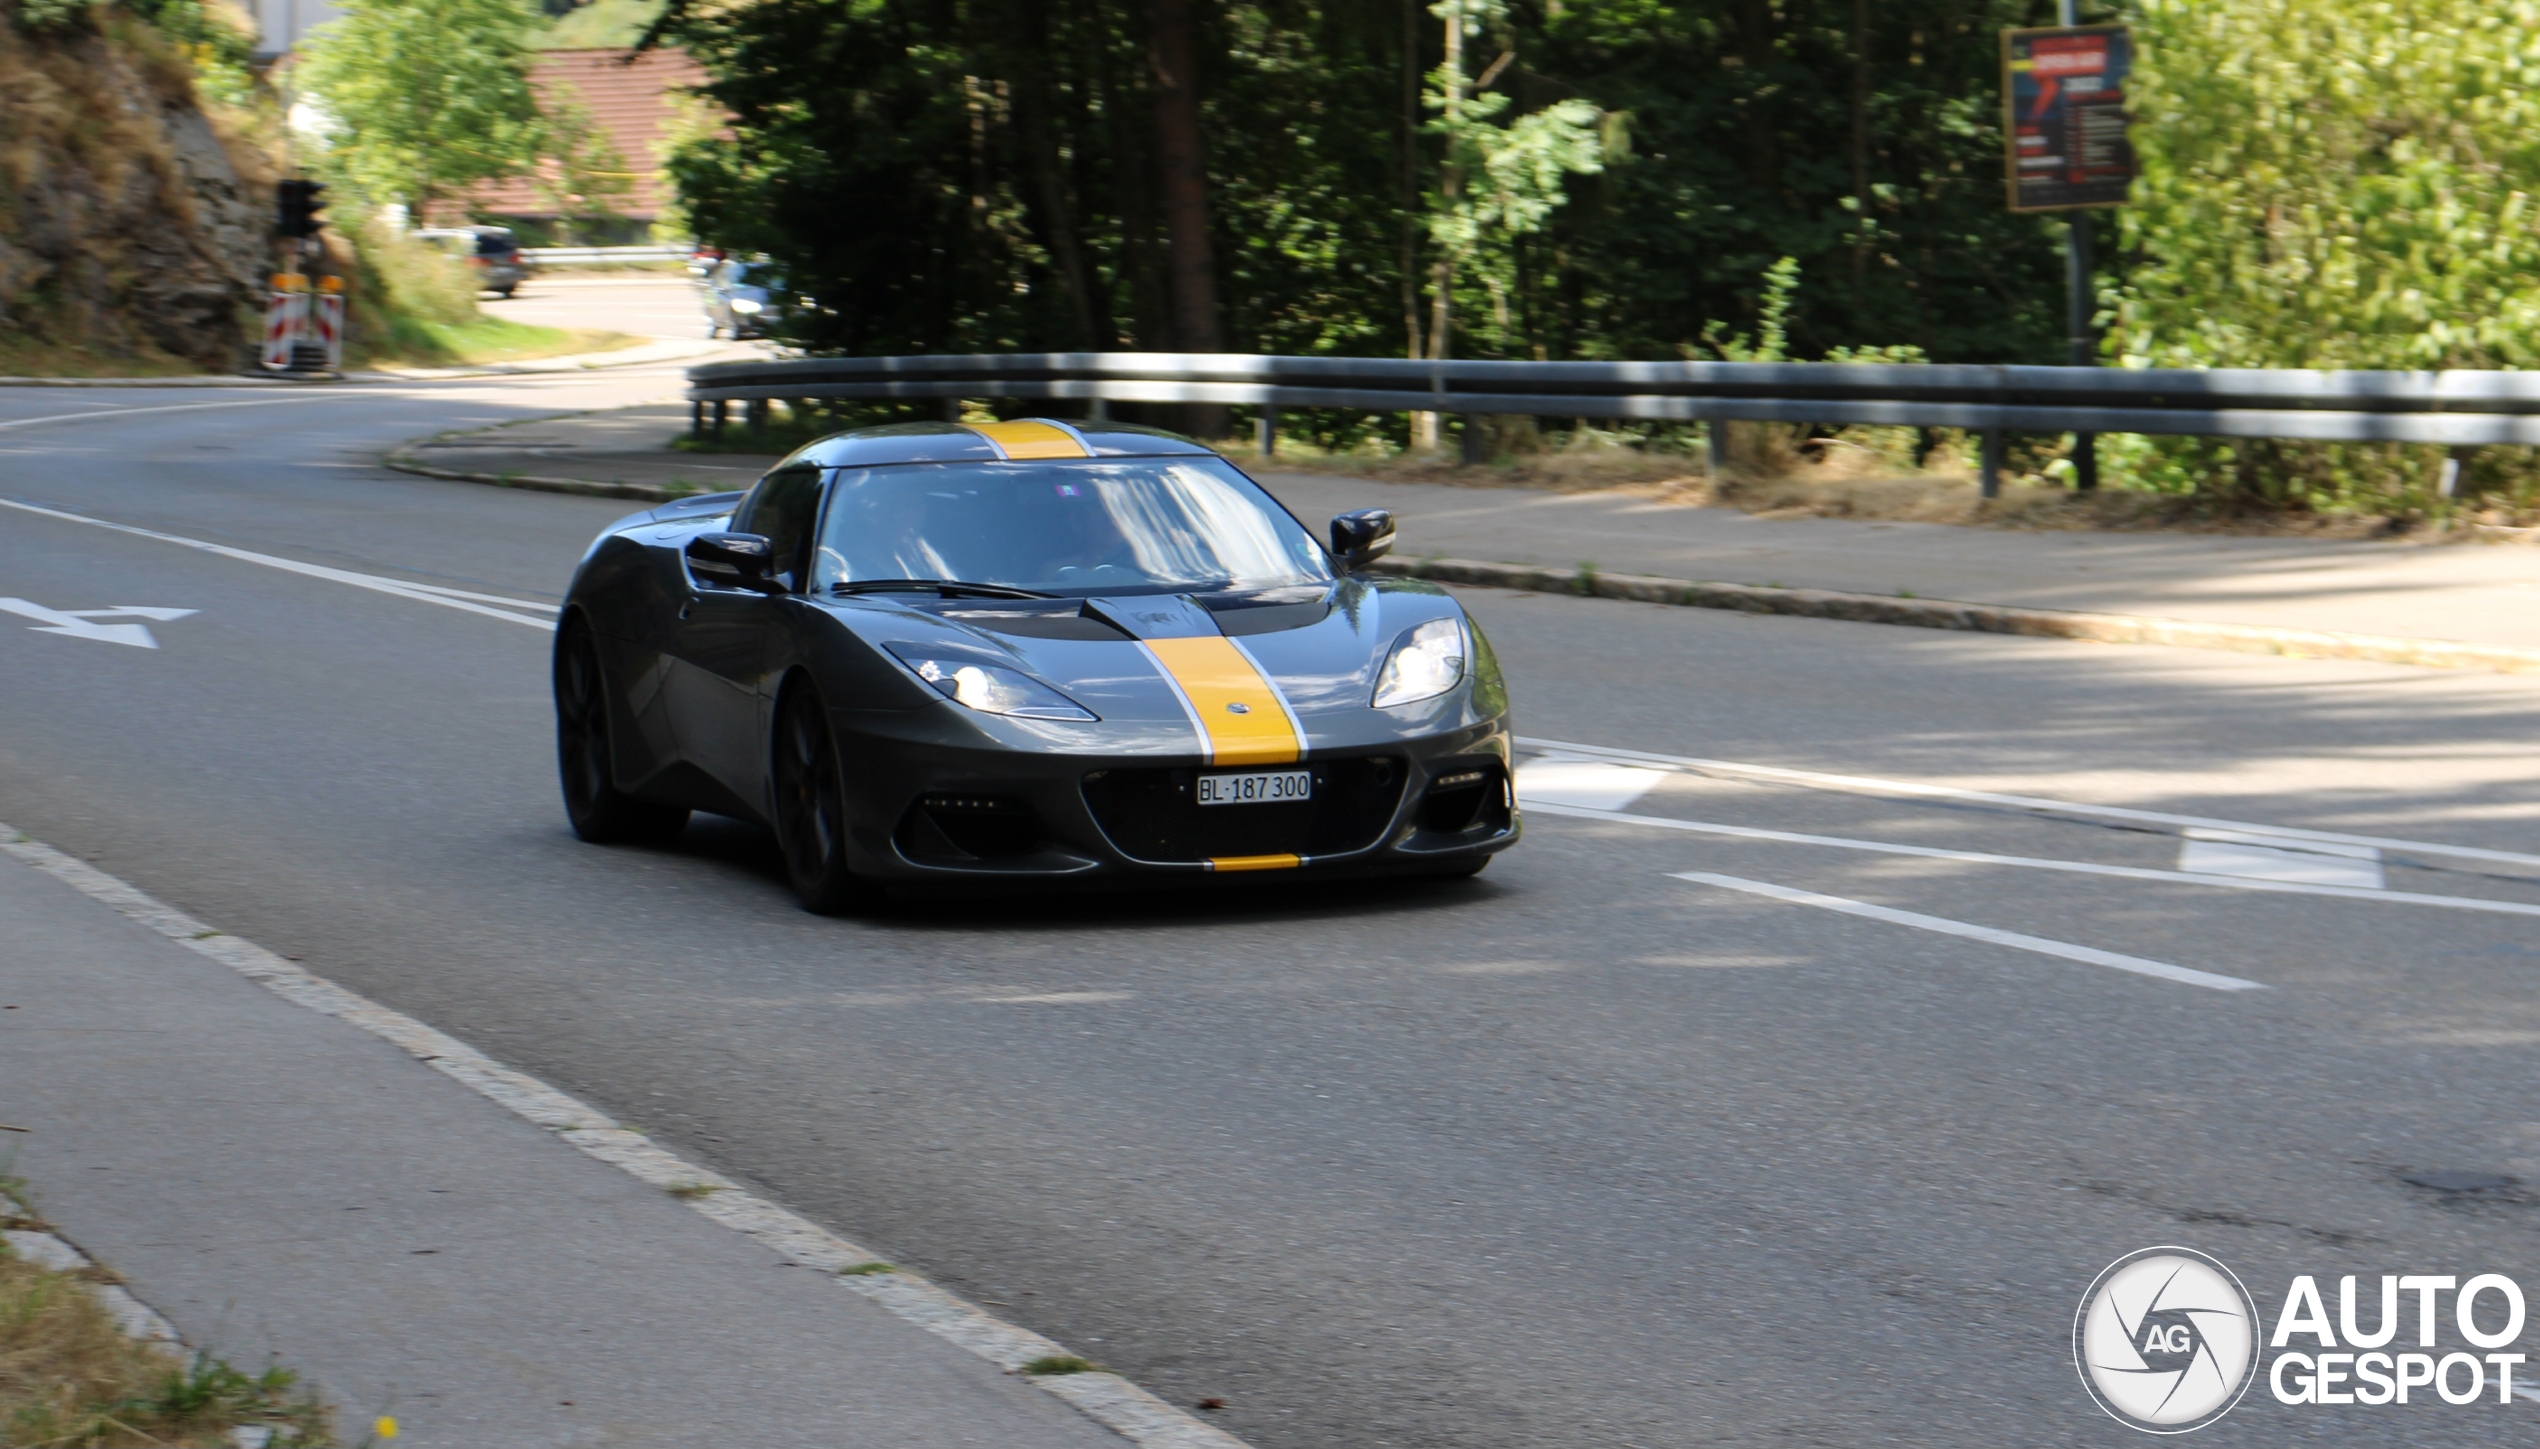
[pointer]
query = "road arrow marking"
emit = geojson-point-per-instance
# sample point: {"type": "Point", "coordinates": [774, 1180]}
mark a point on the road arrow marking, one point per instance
{"type": "Point", "coordinates": [79, 623]}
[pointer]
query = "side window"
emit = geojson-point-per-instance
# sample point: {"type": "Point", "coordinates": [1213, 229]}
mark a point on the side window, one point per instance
{"type": "Point", "coordinates": [784, 506]}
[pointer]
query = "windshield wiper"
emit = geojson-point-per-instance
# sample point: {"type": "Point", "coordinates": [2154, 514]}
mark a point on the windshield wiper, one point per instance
{"type": "Point", "coordinates": [945, 588]}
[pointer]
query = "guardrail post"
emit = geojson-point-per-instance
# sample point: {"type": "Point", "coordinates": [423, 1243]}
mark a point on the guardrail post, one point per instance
{"type": "Point", "coordinates": [2449, 484]}
{"type": "Point", "coordinates": [1476, 452]}
{"type": "Point", "coordinates": [1265, 432]}
{"type": "Point", "coordinates": [696, 419]}
{"type": "Point", "coordinates": [756, 411]}
{"type": "Point", "coordinates": [2085, 462]}
{"type": "Point", "coordinates": [1715, 442]}
{"type": "Point", "coordinates": [1989, 464]}
{"type": "Point", "coordinates": [1098, 409]}
{"type": "Point", "coordinates": [952, 410]}
{"type": "Point", "coordinates": [722, 410]}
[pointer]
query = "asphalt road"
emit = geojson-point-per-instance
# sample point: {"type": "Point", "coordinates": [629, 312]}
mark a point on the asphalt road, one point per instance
{"type": "Point", "coordinates": [1575, 1154]}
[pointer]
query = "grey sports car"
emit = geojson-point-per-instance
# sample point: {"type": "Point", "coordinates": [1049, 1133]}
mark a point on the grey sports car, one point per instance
{"type": "Point", "coordinates": [1026, 652]}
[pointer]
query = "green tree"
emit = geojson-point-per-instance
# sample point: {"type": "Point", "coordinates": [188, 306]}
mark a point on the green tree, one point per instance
{"type": "Point", "coordinates": [429, 97]}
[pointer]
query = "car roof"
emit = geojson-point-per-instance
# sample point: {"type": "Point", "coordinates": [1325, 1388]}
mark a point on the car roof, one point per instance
{"type": "Point", "coordinates": [1035, 439]}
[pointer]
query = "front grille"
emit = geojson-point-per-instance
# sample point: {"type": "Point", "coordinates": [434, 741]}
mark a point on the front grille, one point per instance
{"type": "Point", "coordinates": [1156, 815]}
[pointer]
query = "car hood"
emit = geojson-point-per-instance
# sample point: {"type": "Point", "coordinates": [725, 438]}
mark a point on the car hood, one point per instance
{"type": "Point", "coordinates": [1320, 647]}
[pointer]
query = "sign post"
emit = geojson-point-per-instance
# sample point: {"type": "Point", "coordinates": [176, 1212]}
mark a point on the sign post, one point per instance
{"type": "Point", "coordinates": [2064, 122]}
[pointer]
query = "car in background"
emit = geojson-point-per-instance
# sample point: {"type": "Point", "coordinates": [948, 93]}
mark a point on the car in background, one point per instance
{"type": "Point", "coordinates": [491, 251]}
{"type": "Point", "coordinates": [741, 299]}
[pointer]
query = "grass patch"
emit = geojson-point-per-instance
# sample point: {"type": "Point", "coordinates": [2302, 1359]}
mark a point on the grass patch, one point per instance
{"type": "Point", "coordinates": [1062, 1363]}
{"type": "Point", "coordinates": [866, 1270]}
{"type": "Point", "coordinates": [692, 1191]}
{"type": "Point", "coordinates": [414, 340]}
{"type": "Point", "coordinates": [68, 1377]}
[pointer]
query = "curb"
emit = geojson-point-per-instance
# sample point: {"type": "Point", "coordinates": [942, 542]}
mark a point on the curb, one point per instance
{"type": "Point", "coordinates": [1976, 618]}
{"type": "Point", "coordinates": [588, 488]}
{"type": "Point", "coordinates": [1800, 603]}
{"type": "Point", "coordinates": [1107, 1398]}
{"type": "Point", "coordinates": [133, 1318]}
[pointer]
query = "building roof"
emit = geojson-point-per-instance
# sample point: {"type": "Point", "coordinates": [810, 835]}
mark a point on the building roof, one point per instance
{"type": "Point", "coordinates": [632, 96]}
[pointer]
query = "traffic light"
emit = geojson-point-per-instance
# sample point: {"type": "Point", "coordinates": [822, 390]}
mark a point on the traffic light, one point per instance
{"type": "Point", "coordinates": [297, 203]}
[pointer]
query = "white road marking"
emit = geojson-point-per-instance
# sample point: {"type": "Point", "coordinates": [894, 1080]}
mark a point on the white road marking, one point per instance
{"type": "Point", "coordinates": [2039, 944]}
{"type": "Point", "coordinates": [424, 593]}
{"type": "Point", "coordinates": [1592, 783]}
{"type": "Point", "coordinates": [1864, 784]}
{"type": "Point", "coordinates": [2272, 857]}
{"type": "Point", "coordinates": [79, 623]}
{"type": "Point", "coordinates": [2030, 862]}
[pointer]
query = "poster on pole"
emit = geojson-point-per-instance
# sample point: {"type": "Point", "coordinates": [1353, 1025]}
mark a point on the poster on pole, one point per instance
{"type": "Point", "coordinates": [2064, 118]}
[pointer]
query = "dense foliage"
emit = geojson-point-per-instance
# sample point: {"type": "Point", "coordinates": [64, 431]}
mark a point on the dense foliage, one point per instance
{"type": "Point", "coordinates": [985, 174]}
{"type": "Point", "coordinates": [2335, 183]}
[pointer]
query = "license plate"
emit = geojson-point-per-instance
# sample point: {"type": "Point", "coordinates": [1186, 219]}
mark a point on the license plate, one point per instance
{"type": "Point", "coordinates": [1267, 787]}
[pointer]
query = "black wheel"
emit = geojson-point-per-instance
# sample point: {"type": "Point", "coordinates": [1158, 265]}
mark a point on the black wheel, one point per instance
{"type": "Point", "coordinates": [811, 806]}
{"type": "Point", "coordinates": [600, 812]}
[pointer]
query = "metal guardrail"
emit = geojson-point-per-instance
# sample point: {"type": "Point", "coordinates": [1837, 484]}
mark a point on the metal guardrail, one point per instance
{"type": "Point", "coordinates": [2452, 409]}
{"type": "Point", "coordinates": [586, 256]}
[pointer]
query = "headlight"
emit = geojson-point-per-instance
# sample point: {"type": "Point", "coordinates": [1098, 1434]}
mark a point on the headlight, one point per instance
{"type": "Point", "coordinates": [991, 688]}
{"type": "Point", "coordinates": [1425, 663]}
{"type": "Point", "coordinates": [745, 306]}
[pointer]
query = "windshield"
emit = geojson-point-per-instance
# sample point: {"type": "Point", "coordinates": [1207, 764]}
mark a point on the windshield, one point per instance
{"type": "Point", "coordinates": [1130, 526]}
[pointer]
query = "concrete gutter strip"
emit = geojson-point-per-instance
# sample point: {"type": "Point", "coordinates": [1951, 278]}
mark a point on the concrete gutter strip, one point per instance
{"type": "Point", "coordinates": [1976, 618]}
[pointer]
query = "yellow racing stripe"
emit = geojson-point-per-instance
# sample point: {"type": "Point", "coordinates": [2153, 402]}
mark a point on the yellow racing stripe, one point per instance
{"type": "Point", "coordinates": [1255, 862]}
{"type": "Point", "coordinates": [1243, 717]}
{"type": "Point", "coordinates": [1022, 442]}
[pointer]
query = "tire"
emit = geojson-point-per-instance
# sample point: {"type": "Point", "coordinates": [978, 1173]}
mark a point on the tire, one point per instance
{"type": "Point", "coordinates": [504, 292]}
{"type": "Point", "coordinates": [598, 811]}
{"type": "Point", "coordinates": [811, 806]}
{"type": "Point", "coordinates": [713, 330]}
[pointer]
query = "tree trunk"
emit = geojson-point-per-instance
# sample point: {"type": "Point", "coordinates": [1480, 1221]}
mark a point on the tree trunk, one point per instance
{"type": "Point", "coordinates": [1038, 130]}
{"type": "Point", "coordinates": [1182, 158]}
{"type": "Point", "coordinates": [1861, 227]}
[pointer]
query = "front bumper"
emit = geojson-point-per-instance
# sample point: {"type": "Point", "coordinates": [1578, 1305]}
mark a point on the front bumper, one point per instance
{"type": "Point", "coordinates": [928, 811]}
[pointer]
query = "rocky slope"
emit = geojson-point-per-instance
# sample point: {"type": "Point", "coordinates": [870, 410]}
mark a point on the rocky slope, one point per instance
{"type": "Point", "coordinates": [127, 228]}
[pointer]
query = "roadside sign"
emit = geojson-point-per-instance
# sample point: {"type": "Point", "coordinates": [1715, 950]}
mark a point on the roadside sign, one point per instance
{"type": "Point", "coordinates": [2064, 118]}
{"type": "Point", "coordinates": [286, 315]}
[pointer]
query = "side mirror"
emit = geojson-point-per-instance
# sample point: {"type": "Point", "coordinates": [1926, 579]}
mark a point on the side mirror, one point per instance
{"type": "Point", "coordinates": [1361, 537]}
{"type": "Point", "coordinates": [734, 561]}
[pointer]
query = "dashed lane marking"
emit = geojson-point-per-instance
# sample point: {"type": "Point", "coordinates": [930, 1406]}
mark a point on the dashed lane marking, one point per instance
{"type": "Point", "coordinates": [2030, 862]}
{"type": "Point", "coordinates": [2090, 955]}
{"type": "Point", "coordinates": [422, 593]}
{"type": "Point", "coordinates": [1870, 785]}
